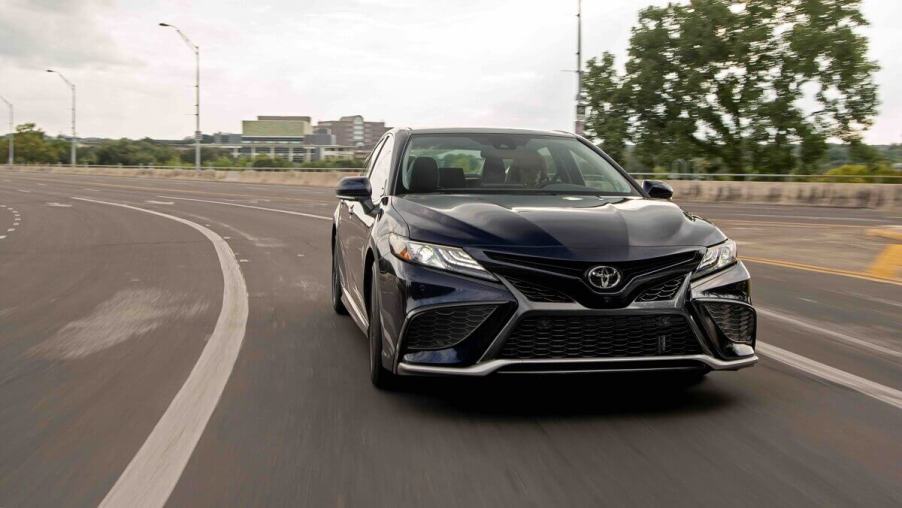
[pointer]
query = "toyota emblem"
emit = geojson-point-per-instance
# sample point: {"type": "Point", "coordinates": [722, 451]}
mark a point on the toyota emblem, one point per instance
{"type": "Point", "coordinates": [603, 277]}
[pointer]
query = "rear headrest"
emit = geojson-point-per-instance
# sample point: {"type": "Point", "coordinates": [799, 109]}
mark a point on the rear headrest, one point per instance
{"type": "Point", "coordinates": [451, 178]}
{"type": "Point", "coordinates": [424, 175]}
{"type": "Point", "coordinates": [493, 170]}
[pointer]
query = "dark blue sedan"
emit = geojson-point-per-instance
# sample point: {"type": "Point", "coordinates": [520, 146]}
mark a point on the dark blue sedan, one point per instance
{"type": "Point", "coordinates": [472, 251]}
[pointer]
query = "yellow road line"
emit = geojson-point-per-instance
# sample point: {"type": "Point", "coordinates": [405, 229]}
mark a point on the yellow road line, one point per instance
{"type": "Point", "coordinates": [823, 269]}
{"type": "Point", "coordinates": [888, 263]}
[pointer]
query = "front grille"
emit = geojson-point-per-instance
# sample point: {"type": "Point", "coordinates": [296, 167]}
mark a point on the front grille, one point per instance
{"type": "Point", "coordinates": [445, 327]}
{"type": "Point", "coordinates": [737, 322]}
{"type": "Point", "coordinates": [666, 290]}
{"type": "Point", "coordinates": [538, 293]}
{"type": "Point", "coordinates": [568, 277]}
{"type": "Point", "coordinates": [549, 337]}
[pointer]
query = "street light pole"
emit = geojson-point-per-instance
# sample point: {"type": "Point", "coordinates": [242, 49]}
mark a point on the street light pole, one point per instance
{"type": "Point", "coordinates": [196, 49]}
{"type": "Point", "coordinates": [72, 152]}
{"type": "Point", "coordinates": [12, 133]}
{"type": "Point", "coordinates": [580, 104]}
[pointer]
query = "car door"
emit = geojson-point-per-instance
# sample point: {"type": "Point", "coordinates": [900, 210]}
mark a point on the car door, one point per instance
{"type": "Point", "coordinates": [361, 219]}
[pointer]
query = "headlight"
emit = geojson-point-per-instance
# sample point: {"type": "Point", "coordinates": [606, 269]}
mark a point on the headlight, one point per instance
{"type": "Point", "coordinates": [717, 257]}
{"type": "Point", "coordinates": [452, 259]}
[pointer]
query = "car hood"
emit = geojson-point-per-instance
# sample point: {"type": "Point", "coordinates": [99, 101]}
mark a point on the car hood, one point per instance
{"type": "Point", "coordinates": [568, 227]}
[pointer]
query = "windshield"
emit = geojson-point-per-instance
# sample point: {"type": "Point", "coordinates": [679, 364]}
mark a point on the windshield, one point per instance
{"type": "Point", "coordinates": [507, 164]}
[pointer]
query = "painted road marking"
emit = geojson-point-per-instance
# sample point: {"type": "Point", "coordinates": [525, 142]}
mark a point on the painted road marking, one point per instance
{"type": "Point", "coordinates": [826, 332]}
{"type": "Point", "coordinates": [152, 202]}
{"type": "Point", "coordinates": [59, 205]}
{"type": "Point", "coordinates": [820, 269]}
{"type": "Point", "coordinates": [278, 210]}
{"type": "Point", "coordinates": [327, 198]}
{"type": "Point", "coordinates": [2, 237]}
{"type": "Point", "coordinates": [152, 474]}
{"type": "Point", "coordinates": [871, 389]}
{"type": "Point", "coordinates": [889, 263]}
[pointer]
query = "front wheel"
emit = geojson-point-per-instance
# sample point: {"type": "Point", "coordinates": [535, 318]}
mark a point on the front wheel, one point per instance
{"type": "Point", "coordinates": [379, 375]}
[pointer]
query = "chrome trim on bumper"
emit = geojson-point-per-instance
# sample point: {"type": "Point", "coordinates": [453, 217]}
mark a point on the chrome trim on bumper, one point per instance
{"type": "Point", "coordinates": [488, 367]}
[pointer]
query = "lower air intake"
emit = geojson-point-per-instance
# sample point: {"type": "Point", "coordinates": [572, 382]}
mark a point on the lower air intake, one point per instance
{"type": "Point", "coordinates": [549, 337]}
{"type": "Point", "coordinates": [444, 327]}
{"type": "Point", "coordinates": [735, 321]}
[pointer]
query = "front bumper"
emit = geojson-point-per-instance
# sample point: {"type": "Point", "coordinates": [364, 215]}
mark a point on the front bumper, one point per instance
{"type": "Point", "coordinates": [420, 290]}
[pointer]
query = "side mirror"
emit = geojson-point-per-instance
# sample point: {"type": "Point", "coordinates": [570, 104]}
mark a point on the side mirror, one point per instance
{"type": "Point", "coordinates": [657, 189]}
{"type": "Point", "coordinates": [355, 188]}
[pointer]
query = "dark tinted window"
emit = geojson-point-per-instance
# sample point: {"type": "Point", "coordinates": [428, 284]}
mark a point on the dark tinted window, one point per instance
{"type": "Point", "coordinates": [381, 168]}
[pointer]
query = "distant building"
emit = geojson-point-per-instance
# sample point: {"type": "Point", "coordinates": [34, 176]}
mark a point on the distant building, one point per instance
{"type": "Point", "coordinates": [226, 138]}
{"type": "Point", "coordinates": [293, 138]}
{"type": "Point", "coordinates": [354, 131]}
{"type": "Point", "coordinates": [321, 137]}
{"type": "Point", "coordinates": [276, 128]}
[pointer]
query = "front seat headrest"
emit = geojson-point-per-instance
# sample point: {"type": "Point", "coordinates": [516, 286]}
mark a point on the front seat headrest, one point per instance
{"type": "Point", "coordinates": [452, 178]}
{"type": "Point", "coordinates": [493, 170]}
{"type": "Point", "coordinates": [424, 175]}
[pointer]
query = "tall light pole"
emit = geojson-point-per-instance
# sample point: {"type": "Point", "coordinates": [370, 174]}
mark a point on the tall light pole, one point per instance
{"type": "Point", "coordinates": [580, 103]}
{"type": "Point", "coordinates": [196, 49]}
{"type": "Point", "coordinates": [12, 133]}
{"type": "Point", "coordinates": [74, 136]}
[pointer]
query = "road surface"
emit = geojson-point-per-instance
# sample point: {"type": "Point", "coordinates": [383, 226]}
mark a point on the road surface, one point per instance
{"type": "Point", "coordinates": [122, 379]}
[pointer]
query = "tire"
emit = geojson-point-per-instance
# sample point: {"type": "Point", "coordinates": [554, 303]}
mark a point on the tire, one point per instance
{"type": "Point", "coordinates": [379, 375]}
{"type": "Point", "coordinates": [337, 305]}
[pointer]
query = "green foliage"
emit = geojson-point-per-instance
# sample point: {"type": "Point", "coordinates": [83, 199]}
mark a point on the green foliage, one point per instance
{"type": "Point", "coordinates": [726, 81]}
{"type": "Point", "coordinates": [863, 170]}
{"type": "Point", "coordinates": [33, 146]}
{"type": "Point", "coordinates": [130, 153]}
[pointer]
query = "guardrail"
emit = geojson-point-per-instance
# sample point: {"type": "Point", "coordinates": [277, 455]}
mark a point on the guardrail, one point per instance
{"type": "Point", "coordinates": [191, 168]}
{"type": "Point", "coordinates": [716, 177]}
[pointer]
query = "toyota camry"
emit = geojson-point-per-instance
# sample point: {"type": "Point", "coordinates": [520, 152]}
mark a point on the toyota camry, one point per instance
{"type": "Point", "coordinates": [471, 252]}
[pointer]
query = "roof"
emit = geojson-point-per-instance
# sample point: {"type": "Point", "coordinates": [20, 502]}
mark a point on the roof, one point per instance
{"type": "Point", "coordinates": [464, 130]}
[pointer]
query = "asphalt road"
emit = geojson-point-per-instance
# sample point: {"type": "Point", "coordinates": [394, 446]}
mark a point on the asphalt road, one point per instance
{"type": "Point", "coordinates": [109, 314]}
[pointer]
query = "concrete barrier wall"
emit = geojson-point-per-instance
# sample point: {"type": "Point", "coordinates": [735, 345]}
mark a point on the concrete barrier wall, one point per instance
{"type": "Point", "coordinates": [857, 195]}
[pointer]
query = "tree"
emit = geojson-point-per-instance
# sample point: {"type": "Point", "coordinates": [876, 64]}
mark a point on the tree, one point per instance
{"type": "Point", "coordinates": [33, 146]}
{"type": "Point", "coordinates": [746, 84]}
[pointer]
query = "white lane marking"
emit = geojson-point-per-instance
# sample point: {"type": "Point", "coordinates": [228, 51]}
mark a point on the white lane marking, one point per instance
{"type": "Point", "coordinates": [2, 237]}
{"type": "Point", "coordinates": [23, 190]}
{"type": "Point", "coordinates": [59, 205]}
{"type": "Point", "coordinates": [871, 389]}
{"type": "Point", "coordinates": [152, 202]}
{"type": "Point", "coordinates": [278, 210]}
{"type": "Point", "coordinates": [10, 230]}
{"type": "Point", "coordinates": [152, 474]}
{"type": "Point", "coordinates": [242, 261]}
{"type": "Point", "coordinates": [828, 332]}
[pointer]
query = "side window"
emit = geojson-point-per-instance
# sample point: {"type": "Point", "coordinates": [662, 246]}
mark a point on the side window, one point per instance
{"type": "Point", "coordinates": [381, 168]}
{"type": "Point", "coordinates": [373, 156]}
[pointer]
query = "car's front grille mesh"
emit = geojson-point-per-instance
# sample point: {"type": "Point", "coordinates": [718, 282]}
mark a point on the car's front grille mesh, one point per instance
{"type": "Point", "coordinates": [538, 293]}
{"type": "Point", "coordinates": [666, 290]}
{"type": "Point", "coordinates": [550, 337]}
{"type": "Point", "coordinates": [444, 327]}
{"type": "Point", "coordinates": [736, 321]}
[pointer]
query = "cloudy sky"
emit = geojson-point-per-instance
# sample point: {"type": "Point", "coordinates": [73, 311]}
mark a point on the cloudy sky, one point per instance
{"type": "Point", "coordinates": [408, 62]}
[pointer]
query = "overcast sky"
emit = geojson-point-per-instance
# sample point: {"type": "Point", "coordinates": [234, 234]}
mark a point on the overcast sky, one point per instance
{"type": "Point", "coordinates": [408, 62]}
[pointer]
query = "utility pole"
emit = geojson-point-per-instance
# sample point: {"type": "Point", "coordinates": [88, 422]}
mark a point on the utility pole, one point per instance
{"type": "Point", "coordinates": [72, 152]}
{"type": "Point", "coordinates": [12, 133]}
{"type": "Point", "coordinates": [197, 134]}
{"type": "Point", "coordinates": [580, 102]}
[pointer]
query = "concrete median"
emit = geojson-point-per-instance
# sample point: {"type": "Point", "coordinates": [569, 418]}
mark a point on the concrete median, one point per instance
{"type": "Point", "coordinates": [853, 195]}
